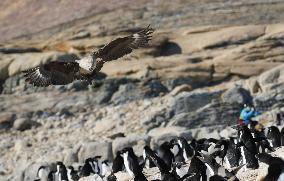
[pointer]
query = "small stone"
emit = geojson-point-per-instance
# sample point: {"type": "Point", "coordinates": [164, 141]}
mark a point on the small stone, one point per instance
{"type": "Point", "coordinates": [23, 124]}
{"type": "Point", "coordinates": [92, 149]}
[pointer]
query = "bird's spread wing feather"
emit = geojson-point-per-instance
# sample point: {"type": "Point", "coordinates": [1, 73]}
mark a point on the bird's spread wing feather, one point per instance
{"type": "Point", "coordinates": [57, 73]}
{"type": "Point", "coordinates": [123, 46]}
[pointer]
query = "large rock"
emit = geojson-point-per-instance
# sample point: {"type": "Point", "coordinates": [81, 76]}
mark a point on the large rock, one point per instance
{"type": "Point", "coordinates": [23, 124]}
{"type": "Point", "coordinates": [92, 149]}
{"type": "Point", "coordinates": [125, 93]}
{"type": "Point", "coordinates": [237, 95]}
{"type": "Point", "coordinates": [29, 60]}
{"type": "Point", "coordinates": [212, 114]}
{"type": "Point", "coordinates": [161, 134]}
{"type": "Point", "coordinates": [6, 120]}
{"type": "Point", "coordinates": [192, 101]}
{"type": "Point", "coordinates": [135, 141]}
{"type": "Point", "coordinates": [270, 79]}
{"type": "Point", "coordinates": [4, 64]}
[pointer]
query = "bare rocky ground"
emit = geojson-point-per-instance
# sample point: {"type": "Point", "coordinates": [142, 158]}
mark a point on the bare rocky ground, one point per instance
{"type": "Point", "coordinates": [206, 59]}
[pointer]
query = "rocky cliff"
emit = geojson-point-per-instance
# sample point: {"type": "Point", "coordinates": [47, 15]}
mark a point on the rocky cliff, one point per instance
{"type": "Point", "coordinates": [206, 59]}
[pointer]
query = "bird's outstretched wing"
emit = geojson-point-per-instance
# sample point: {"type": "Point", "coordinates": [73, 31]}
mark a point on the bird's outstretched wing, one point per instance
{"type": "Point", "coordinates": [56, 73]}
{"type": "Point", "coordinates": [123, 46]}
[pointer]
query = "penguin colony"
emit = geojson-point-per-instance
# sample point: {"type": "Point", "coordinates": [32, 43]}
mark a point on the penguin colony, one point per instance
{"type": "Point", "coordinates": [183, 160]}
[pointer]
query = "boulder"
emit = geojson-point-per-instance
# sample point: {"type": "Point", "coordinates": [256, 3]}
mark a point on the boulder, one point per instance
{"type": "Point", "coordinates": [162, 134]}
{"type": "Point", "coordinates": [135, 141]}
{"type": "Point", "coordinates": [125, 93]}
{"type": "Point", "coordinates": [237, 95]}
{"type": "Point", "coordinates": [6, 120]}
{"type": "Point", "coordinates": [192, 101]}
{"type": "Point", "coordinates": [92, 149]}
{"type": "Point", "coordinates": [4, 64]}
{"type": "Point", "coordinates": [23, 124]}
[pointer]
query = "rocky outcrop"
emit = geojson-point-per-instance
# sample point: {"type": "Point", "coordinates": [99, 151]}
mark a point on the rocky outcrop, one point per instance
{"type": "Point", "coordinates": [192, 81]}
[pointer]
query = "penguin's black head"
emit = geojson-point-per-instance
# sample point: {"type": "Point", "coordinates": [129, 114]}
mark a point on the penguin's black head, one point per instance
{"type": "Point", "coordinates": [59, 163]}
{"type": "Point", "coordinates": [89, 160]}
{"type": "Point", "coordinates": [71, 168]}
{"type": "Point", "coordinates": [129, 150]}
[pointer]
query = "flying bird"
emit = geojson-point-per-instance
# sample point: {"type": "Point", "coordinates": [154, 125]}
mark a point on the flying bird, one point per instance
{"type": "Point", "coordinates": [62, 73]}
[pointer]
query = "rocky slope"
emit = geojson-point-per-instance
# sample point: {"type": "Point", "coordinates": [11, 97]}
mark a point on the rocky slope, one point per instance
{"type": "Point", "coordinates": [206, 59]}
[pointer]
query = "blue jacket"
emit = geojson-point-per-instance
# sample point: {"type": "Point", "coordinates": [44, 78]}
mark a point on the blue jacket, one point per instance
{"type": "Point", "coordinates": [247, 114]}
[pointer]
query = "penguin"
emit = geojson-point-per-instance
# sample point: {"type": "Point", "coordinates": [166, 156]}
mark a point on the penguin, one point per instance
{"type": "Point", "coordinates": [148, 163]}
{"type": "Point", "coordinates": [87, 168]}
{"type": "Point", "coordinates": [262, 143]}
{"type": "Point", "coordinates": [105, 168]}
{"type": "Point", "coordinates": [72, 174]}
{"type": "Point", "coordinates": [213, 168]}
{"type": "Point", "coordinates": [117, 164]}
{"type": "Point", "coordinates": [177, 151]}
{"type": "Point", "coordinates": [233, 154]}
{"type": "Point", "coordinates": [248, 148]}
{"type": "Point", "coordinates": [274, 136]}
{"type": "Point", "coordinates": [61, 172]}
{"type": "Point", "coordinates": [131, 164]}
{"type": "Point", "coordinates": [209, 146]}
{"type": "Point", "coordinates": [198, 168]}
{"type": "Point", "coordinates": [165, 153]}
{"type": "Point", "coordinates": [221, 148]}
{"type": "Point", "coordinates": [187, 150]}
{"type": "Point", "coordinates": [166, 175]}
{"type": "Point", "coordinates": [96, 165]}
{"type": "Point", "coordinates": [45, 174]}
{"type": "Point", "coordinates": [282, 136]}
{"type": "Point", "coordinates": [275, 167]}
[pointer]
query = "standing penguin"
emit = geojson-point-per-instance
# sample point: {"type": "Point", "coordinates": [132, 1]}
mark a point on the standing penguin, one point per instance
{"type": "Point", "coordinates": [87, 168]}
{"type": "Point", "coordinates": [117, 164]}
{"type": "Point", "coordinates": [148, 163]}
{"type": "Point", "coordinates": [276, 167]}
{"type": "Point", "coordinates": [61, 173]}
{"type": "Point", "coordinates": [45, 174]}
{"type": "Point", "coordinates": [198, 168]}
{"type": "Point", "coordinates": [215, 169]}
{"type": "Point", "coordinates": [105, 168]}
{"type": "Point", "coordinates": [186, 149]}
{"type": "Point", "coordinates": [165, 153]}
{"type": "Point", "coordinates": [248, 148]}
{"type": "Point", "coordinates": [166, 174]}
{"type": "Point", "coordinates": [233, 154]}
{"type": "Point", "coordinates": [72, 174]}
{"type": "Point", "coordinates": [274, 136]}
{"type": "Point", "coordinates": [262, 144]}
{"type": "Point", "coordinates": [131, 164]}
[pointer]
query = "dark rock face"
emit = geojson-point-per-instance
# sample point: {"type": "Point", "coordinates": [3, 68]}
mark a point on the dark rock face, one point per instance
{"type": "Point", "coordinates": [192, 101]}
{"type": "Point", "coordinates": [237, 95]}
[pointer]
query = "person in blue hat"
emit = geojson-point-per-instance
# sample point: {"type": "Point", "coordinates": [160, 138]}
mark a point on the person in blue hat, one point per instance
{"type": "Point", "coordinates": [246, 114]}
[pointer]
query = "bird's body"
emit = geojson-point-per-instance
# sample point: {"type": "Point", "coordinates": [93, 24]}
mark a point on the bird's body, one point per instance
{"type": "Point", "coordinates": [62, 73]}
